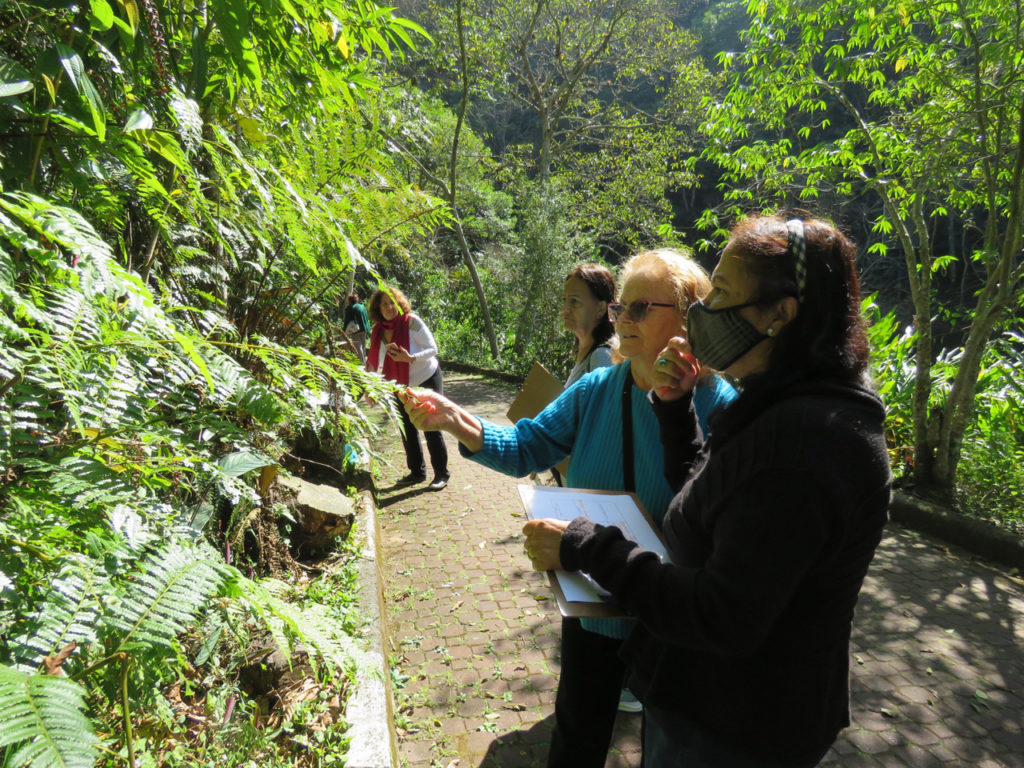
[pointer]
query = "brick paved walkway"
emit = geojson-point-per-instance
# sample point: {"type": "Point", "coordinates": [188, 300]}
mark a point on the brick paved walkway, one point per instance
{"type": "Point", "coordinates": [938, 652]}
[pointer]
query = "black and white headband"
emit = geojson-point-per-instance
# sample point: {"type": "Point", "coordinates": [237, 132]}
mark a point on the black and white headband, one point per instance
{"type": "Point", "coordinates": [798, 247]}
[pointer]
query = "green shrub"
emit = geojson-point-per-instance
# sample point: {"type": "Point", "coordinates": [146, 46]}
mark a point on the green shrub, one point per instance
{"type": "Point", "coordinates": [990, 476]}
{"type": "Point", "coordinates": [121, 427]}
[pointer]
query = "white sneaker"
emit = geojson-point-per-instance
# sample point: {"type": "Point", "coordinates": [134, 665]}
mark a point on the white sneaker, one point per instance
{"type": "Point", "coordinates": [628, 702]}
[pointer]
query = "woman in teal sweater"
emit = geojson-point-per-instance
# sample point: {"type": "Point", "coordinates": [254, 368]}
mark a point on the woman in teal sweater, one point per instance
{"type": "Point", "coordinates": [587, 422]}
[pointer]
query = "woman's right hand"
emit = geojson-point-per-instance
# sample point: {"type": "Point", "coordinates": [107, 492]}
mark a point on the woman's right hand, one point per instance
{"type": "Point", "coordinates": [676, 370]}
{"type": "Point", "coordinates": [428, 410]}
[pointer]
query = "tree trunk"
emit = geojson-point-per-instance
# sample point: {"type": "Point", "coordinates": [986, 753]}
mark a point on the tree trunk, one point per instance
{"type": "Point", "coordinates": [523, 330]}
{"type": "Point", "coordinates": [924, 433]}
{"type": "Point", "coordinates": [467, 256]}
{"type": "Point", "coordinates": [1001, 288]}
{"type": "Point", "coordinates": [919, 272]}
{"type": "Point", "coordinates": [544, 149]}
{"type": "Point", "coordinates": [959, 406]}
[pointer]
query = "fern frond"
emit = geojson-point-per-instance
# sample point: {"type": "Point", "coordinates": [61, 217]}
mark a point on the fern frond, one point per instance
{"type": "Point", "coordinates": [151, 192]}
{"type": "Point", "coordinates": [42, 720]}
{"type": "Point", "coordinates": [67, 613]}
{"type": "Point", "coordinates": [117, 397]}
{"type": "Point", "coordinates": [14, 307]}
{"type": "Point", "coordinates": [186, 114]}
{"type": "Point", "coordinates": [72, 316]}
{"type": "Point", "coordinates": [237, 387]}
{"type": "Point", "coordinates": [201, 271]}
{"type": "Point", "coordinates": [172, 587]}
{"type": "Point", "coordinates": [289, 624]}
{"type": "Point", "coordinates": [67, 229]}
{"type": "Point", "coordinates": [85, 481]}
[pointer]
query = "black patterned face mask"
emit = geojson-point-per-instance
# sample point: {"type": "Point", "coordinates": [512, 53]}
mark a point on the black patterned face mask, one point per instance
{"type": "Point", "coordinates": [720, 337]}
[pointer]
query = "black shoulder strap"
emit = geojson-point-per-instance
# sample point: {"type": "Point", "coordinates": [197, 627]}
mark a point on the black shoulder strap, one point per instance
{"type": "Point", "coordinates": [628, 478]}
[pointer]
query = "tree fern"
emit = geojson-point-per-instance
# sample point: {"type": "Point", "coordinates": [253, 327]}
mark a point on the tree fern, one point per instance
{"type": "Point", "coordinates": [124, 396]}
{"type": "Point", "coordinates": [42, 720]}
{"type": "Point", "coordinates": [170, 589]}
{"type": "Point", "coordinates": [288, 624]}
{"type": "Point", "coordinates": [67, 612]}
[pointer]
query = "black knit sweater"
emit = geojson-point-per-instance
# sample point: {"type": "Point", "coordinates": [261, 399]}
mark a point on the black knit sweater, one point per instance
{"type": "Point", "coordinates": [746, 634]}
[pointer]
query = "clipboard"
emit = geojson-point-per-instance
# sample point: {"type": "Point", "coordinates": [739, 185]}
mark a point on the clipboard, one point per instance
{"type": "Point", "coordinates": [569, 503]}
{"type": "Point", "coordinates": [539, 388]}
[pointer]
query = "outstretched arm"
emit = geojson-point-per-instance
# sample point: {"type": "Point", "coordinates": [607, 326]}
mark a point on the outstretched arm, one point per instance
{"type": "Point", "coordinates": [431, 412]}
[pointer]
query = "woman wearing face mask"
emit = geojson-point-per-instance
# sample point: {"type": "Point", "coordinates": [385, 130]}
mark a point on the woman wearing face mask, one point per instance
{"type": "Point", "coordinates": [741, 650]}
{"type": "Point", "coordinates": [589, 289]}
{"type": "Point", "coordinates": [591, 420]}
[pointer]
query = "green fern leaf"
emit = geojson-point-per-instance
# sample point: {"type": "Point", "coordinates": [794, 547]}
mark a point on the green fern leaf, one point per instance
{"type": "Point", "coordinates": [289, 624]}
{"type": "Point", "coordinates": [85, 481]}
{"type": "Point", "coordinates": [172, 587]}
{"type": "Point", "coordinates": [42, 720]}
{"type": "Point", "coordinates": [67, 613]}
{"type": "Point", "coordinates": [73, 317]}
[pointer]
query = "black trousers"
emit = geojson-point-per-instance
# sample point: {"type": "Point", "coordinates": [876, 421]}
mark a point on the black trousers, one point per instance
{"type": "Point", "coordinates": [588, 698]}
{"type": "Point", "coordinates": [435, 440]}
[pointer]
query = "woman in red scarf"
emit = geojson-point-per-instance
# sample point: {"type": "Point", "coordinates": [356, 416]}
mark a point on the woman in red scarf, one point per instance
{"type": "Point", "coordinates": [403, 349]}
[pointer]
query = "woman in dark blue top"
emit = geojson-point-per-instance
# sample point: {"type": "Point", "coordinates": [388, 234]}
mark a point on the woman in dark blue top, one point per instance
{"type": "Point", "coordinates": [741, 651]}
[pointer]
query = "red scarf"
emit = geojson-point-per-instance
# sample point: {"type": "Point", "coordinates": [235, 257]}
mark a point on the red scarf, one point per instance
{"type": "Point", "coordinates": [393, 370]}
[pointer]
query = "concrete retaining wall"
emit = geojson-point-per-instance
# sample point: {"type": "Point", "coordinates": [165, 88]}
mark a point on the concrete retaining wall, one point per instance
{"type": "Point", "coordinates": [370, 709]}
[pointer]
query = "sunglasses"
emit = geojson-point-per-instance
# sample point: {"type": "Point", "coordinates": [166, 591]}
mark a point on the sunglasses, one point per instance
{"type": "Point", "coordinates": [635, 310]}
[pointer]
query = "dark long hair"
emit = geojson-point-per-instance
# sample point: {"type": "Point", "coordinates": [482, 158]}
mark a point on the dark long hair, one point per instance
{"type": "Point", "coordinates": [828, 335]}
{"type": "Point", "coordinates": [601, 284]}
{"type": "Point", "coordinates": [827, 340]}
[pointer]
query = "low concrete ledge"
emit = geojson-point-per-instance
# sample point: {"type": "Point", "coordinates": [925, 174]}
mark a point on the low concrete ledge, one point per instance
{"type": "Point", "coordinates": [370, 709]}
{"type": "Point", "coordinates": [977, 536]}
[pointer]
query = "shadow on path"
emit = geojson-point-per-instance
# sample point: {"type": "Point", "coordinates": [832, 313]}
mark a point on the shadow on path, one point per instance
{"type": "Point", "coordinates": [937, 656]}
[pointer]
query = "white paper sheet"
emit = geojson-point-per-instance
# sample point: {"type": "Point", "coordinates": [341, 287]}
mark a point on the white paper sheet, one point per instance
{"type": "Point", "coordinates": [618, 509]}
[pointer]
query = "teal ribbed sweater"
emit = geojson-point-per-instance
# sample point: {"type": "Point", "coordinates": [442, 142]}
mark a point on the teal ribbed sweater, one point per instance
{"type": "Point", "coordinates": [586, 421]}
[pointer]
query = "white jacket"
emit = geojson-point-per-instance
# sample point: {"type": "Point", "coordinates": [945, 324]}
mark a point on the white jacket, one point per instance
{"type": "Point", "coordinates": [423, 349]}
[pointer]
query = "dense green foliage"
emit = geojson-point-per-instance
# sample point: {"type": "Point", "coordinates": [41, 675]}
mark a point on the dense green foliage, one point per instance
{"type": "Point", "coordinates": [186, 191]}
{"type": "Point", "coordinates": [990, 479]}
{"type": "Point", "coordinates": [589, 110]}
{"type": "Point", "coordinates": [919, 106]}
{"type": "Point", "coordinates": [124, 427]}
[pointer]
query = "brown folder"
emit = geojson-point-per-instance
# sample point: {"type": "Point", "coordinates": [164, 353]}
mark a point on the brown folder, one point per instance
{"type": "Point", "coordinates": [539, 389]}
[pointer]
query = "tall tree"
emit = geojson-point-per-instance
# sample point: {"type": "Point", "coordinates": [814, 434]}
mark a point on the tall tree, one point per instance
{"type": "Point", "coordinates": [578, 67]}
{"type": "Point", "coordinates": [446, 183]}
{"type": "Point", "coordinates": [592, 102]}
{"type": "Point", "coordinates": [934, 96]}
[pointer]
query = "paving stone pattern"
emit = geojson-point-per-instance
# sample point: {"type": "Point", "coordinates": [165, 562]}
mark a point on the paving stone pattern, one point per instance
{"type": "Point", "coordinates": [937, 657]}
